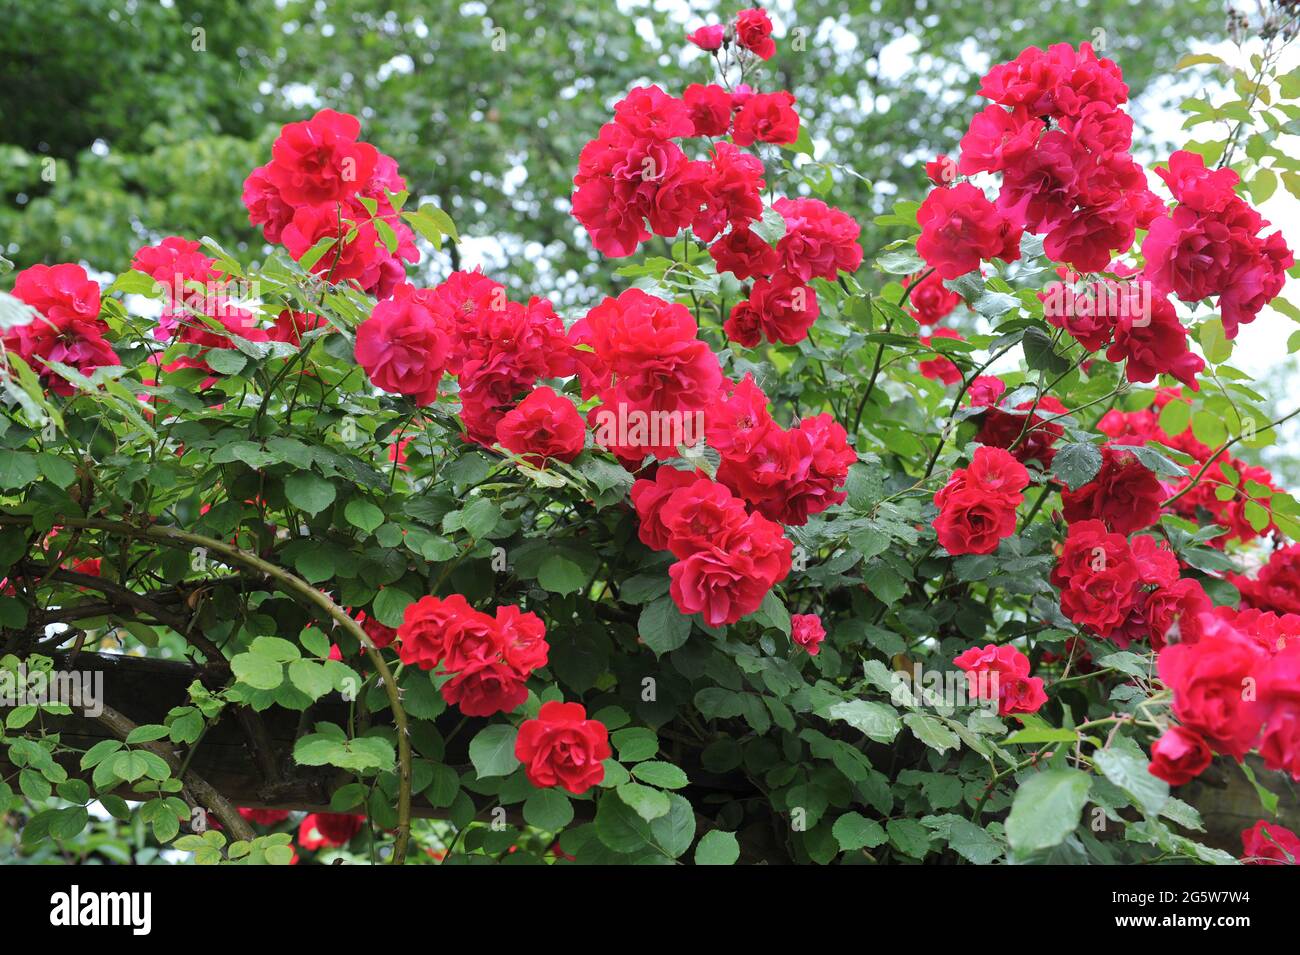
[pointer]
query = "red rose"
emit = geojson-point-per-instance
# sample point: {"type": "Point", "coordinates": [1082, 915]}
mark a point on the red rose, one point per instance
{"type": "Point", "coordinates": [1175, 611]}
{"type": "Point", "coordinates": [1214, 686]}
{"type": "Point", "coordinates": [320, 160]}
{"type": "Point", "coordinates": [1002, 673]}
{"type": "Point", "coordinates": [1097, 577]}
{"type": "Point", "coordinates": [1210, 244]}
{"type": "Point", "coordinates": [380, 635]}
{"type": "Point", "coordinates": [941, 171]}
{"type": "Point", "coordinates": [649, 498]}
{"type": "Point", "coordinates": [561, 747]}
{"type": "Point", "coordinates": [1279, 696]}
{"type": "Point", "coordinates": [1179, 756]}
{"type": "Point", "coordinates": [1267, 843]}
{"type": "Point", "coordinates": [264, 817]}
{"type": "Point", "coordinates": [1124, 495]}
{"type": "Point", "coordinates": [698, 514]}
{"type": "Point", "coordinates": [290, 326]}
{"type": "Point", "coordinates": [542, 426]}
{"type": "Point", "coordinates": [328, 829]}
{"type": "Point", "coordinates": [742, 253]}
{"type": "Point", "coordinates": [782, 308]}
{"type": "Point", "coordinates": [960, 228]}
{"type": "Point", "coordinates": [754, 32]}
{"type": "Point", "coordinates": [522, 639]}
{"type": "Point", "coordinates": [819, 241]}
{"type": "Point", "coordinates": [266, 207]}
{"type": "Point", "coordinates": [766, 118]}
{"type": "Point", "coordinates": [977, 507]}
{"type": "Point", "coordinates": [1277, 586]}
{"type": "Point", "coordinates": [806, 631]}
{"type": "Point", "coordinates": [433, 627]}
{"type": "Point", "coordinates": [69, 330]}
{"type": "Point", "coordinates": [997, 139]}
{"type": "Point", "coordinates": [403, 348]}
{"type": "Point", "coordinates": [931, 300]}
{"type": "Point", "coordinates": [710, 108]}
{"type": "Point", "coordinates": [732, 192]}
{"type": "Point", "coordinates": [1154, 344]}
{"type": "Point", "coordinates": [729, 579]}
{"type": "Point", "coordinates": [485, 687]}
{"type": "Point", "coordinates": [708, 38]}
{"type": "Point", "coordinates": [940, 367]}
{"type": "Point", "coordinates": [649, 111]}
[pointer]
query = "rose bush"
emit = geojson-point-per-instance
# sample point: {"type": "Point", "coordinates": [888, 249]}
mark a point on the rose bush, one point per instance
{"type": "Point", "coordinates": [768, 557]}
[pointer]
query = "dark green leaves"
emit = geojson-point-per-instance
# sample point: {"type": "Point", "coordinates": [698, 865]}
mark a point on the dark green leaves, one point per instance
{"type": "Point", "coordinates": [1076, 463]}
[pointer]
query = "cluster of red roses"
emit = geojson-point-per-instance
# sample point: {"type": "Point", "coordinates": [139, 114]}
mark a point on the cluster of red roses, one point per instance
{"type": "Point", "coordinates": [727, 558]}
{"type": "Point", "coordinates": [1124, 590]}
{"type": "Point", "coordinates": [68, 329]}
{"type": "Point", "coordinates": [752, 31]}
{"type": "Point", "coordinates": [1055, 134]}
{"type": "Point", "coordinates": [322, 183]}
{"type": "Point", "coordinates": [634, 181]}
{"type": "Point", "coordinates": [1131, 321]}
{"type": "Point", "coordinates": [1225, 491]}
{"type": "Point", "coordinates": [786, 474]}
{"type": "Point", "coordinates": [496, 348]}
{"type": "Point", "coordinates": [1210, 244]}
{"type": "Point", "coordinates": [1235, 681]}
{"type": "Point", "coordinates": [1030, 436]}
{"type": "Point", "coordinates": [487, 658]}
{"type": "Point", "coordinates": [977, 507]}
{"type": "Point", "coordinates": [1277, 586]}
{"type": "Point", "coordinates": [1002, 673]}
{"type": "Point", "coordinates": [818, 242]}
{"type": "Point", "coordinates": [641, 357]}
{"type": "Point", "coordinates": [633, 173]}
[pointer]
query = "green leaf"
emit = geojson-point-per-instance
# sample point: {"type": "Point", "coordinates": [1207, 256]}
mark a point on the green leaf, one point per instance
{"type": "Point", "coordinates": [649, 803]}
{"type": "Point", "coordinates": [390, 606]}
{"type": "Point", "coordinates": [312, 678]}
{"type": "Point", "coordinates": [560, 575]}
{"type": "Point", "coordinates": [548, 809]}
{"type": "Point", "coordinates": [492, 751]}
{"type": "Point", "coordinates": [1214, 341]}
{"type": "Point", "coordinates": [675, 832]}
{"type": "Point", "coordinates": [909, 837]}
{"type": "Point", "coordinates": [309, 492]}
{"type": "Point", "coordinates": [661, 626]}
{"type": "Point", "coordinates": [875, 720]}
{"type": "Point", "coordinates": [931, 732]}
{"type": "Point", "coordinates": [17, 469]}
{"type": "Point", "coordinates": [974, 843]}
{"type": "Point", "coordinates": [664, 775]}
{"type": "Point", "coordinates": [146, 734]}
{"type": "Point", "coordinates": [1076, 463]}
{"type": "Point", "coordinates": [1126, 766]}
{"type": "Point", "coordinates": [224, 361]}
{"type": "Point", "coordinates": [772, 613]}
{"type": "Point", "coordinates": [635, 744]}
{"type": "Point", "coordinates": [259, 672]}
{"type": "Point", "coordinates": [1039, 354]}
{"type": "Point", "coordinates": [1046, 809]}
{"type": "Point", "coordinates": [364, 515]}
{"type": "Point", "coordinates": [717, 848]}
{"type": "Point", "coordinates": [854, 831]}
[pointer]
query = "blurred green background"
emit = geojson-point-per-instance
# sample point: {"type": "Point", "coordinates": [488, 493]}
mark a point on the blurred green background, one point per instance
{"type": "Point", "coordinates": [154, 112]}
